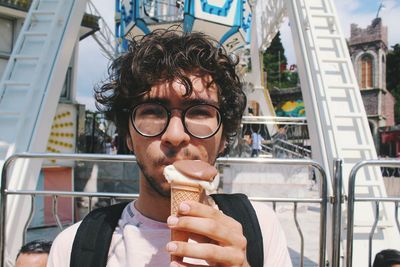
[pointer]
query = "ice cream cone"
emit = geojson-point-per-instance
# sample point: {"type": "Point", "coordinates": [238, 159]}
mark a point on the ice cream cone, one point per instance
{"type": "Point", "coordinates": [182, 192]}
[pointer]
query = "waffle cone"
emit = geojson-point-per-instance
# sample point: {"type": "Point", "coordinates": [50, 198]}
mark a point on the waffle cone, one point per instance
{"type": "Point", "coordinates": [182, 192]}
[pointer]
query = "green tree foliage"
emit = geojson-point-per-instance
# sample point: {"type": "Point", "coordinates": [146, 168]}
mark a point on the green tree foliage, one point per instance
{"type": "Point", "coordinates": [275, 63]}
{"type": "Point", "coordinates": [393, 77]}
{"type": "Point", "coordinates": [393, 67]}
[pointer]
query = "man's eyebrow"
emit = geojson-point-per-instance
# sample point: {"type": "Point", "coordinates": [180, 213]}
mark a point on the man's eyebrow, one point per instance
{"type": "Point", "coordinates": [195, 101]}
{"type": "Point", "coordinates": [159, 100]}
{"type": "Point", "coordinates": [185, 101]}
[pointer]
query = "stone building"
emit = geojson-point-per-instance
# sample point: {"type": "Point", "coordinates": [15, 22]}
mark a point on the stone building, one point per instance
{"type": "Point", "coordinates": [368, 49]}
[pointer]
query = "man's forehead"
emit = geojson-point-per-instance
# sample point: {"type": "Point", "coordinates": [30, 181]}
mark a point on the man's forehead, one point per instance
{"type": "Point", "coordinates": [173, 91]}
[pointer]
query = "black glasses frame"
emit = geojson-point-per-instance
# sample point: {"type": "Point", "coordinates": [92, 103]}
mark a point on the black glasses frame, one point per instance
{"type": "Point", "coordinates": [169, 114]}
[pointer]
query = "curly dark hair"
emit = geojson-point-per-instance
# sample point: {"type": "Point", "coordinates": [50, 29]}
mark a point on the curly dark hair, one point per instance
{"type": "Point", "coordinates": [36, 247]}
{"type": "Point", "coordinates": [387, 258]}
{"type": "Point", "coordinates": [166, 56]}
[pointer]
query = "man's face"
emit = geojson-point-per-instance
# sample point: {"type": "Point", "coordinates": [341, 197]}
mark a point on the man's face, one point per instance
{"type": "Point", "coordinates": [32, 260]}
{"type": "Point", "coordinates": [154, 153]}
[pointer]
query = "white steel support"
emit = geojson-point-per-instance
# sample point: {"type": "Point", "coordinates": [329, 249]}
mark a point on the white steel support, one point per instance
{"type": "Point", "coordinates": [29, 94]}
{"type": "Point", "coordinates": [104, 37]}
{"type": "Point", "coordinates": [335, 112]}
{"type": "Point", "coordinates": [267, 17]}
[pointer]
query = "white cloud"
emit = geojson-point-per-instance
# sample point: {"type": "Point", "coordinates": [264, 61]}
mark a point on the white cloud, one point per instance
{"type": "Point", "coordinates": [87, 101]}
{"type": "Point", "coordinates": [349, 12]}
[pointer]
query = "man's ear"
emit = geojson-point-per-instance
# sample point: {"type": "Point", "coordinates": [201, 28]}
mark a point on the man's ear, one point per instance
{"type": "Point", "coordinates": [129, 143]}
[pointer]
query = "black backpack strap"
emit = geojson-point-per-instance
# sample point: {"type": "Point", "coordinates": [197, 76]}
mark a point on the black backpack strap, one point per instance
{"type": "Point", "coordinates": [93, 238]}
{"type": "Point", "coordinates": [239, 208]}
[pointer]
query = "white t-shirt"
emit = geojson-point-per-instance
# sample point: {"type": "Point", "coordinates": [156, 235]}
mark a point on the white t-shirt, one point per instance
{"type": "Point", "coordinates": [139, 241]}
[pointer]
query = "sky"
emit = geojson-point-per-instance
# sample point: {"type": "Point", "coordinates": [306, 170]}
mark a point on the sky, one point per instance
{"type": "Point", "coordinates": [93, 65]}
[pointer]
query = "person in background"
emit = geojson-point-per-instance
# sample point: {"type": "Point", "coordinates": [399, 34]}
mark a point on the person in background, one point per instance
{"type": "Point", "coordinates": [256, 141]}
{"type": "Point", "coordinates": [387, 258]}
{"type": "Point", "coordinates": [278, 142]}
{"type": "Point", "coordinates": [34, 254]}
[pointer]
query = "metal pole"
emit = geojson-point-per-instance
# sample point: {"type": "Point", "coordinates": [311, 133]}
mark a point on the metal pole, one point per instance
{"type": "Point", "coordinates": [337, 212]}
{"type": "Point", "coordinates": [350, 215]}
{"type": "Point", "coordinates": [3, 202]}
{"type": "Point", "coordinates": [351, 200]}
{"type": "Point", "coordinates": [129, 158]}
{"type": "Point", "coordinates": [11, 159]}
{"type": "Point", "coordinates": [323, 214]}
{"type": "Point", "coordinates": [371, 234]}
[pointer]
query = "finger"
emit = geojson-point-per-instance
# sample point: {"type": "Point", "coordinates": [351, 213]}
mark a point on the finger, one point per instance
{"type": "Point", "coordinates": [197, 209]}
{"type": "Point", "coordinates": [222, 233]}
{"type": "Point", "coordinates": [178, 235]}
{"type": "Point", "coordinates": [226, 256]}
{"type": "Point", "coordinates": [177, 263]}
{"type": "Point", "coordinates": [200, 238]}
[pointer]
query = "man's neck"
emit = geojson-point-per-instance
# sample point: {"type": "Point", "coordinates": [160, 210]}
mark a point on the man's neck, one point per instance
{"type": "Point", "coordinates": [152, 204]}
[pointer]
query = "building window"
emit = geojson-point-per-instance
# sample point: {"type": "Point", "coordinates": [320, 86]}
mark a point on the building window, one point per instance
{"type": "Point", "coordinates": [66, 90]}
{"type": "Point", "coordinates": [6, 42]}
{"type": "Point", "coordinates": [6, 33]}
{"type": "Point", "coordinates": [3, 64]}
{"type": "Point", "coordinates": [366, 72]}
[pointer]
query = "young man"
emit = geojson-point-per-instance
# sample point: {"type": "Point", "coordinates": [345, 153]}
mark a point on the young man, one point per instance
{"type": "Point", "coordinates": [33, 254]}
{"type": "Point", "coordinates": [176, 96]}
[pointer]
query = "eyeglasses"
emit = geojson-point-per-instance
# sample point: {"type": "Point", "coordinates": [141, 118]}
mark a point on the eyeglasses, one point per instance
{"type": "Point", "coordinates": [152, 119]}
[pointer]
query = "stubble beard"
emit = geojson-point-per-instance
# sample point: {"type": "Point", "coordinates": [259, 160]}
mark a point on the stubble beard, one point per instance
{"type": "Point", "coordinates": [155, 183]}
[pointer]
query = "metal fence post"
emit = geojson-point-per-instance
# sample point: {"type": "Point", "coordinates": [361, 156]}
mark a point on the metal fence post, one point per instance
{"type": "Point", "coordinates": [337, 211]}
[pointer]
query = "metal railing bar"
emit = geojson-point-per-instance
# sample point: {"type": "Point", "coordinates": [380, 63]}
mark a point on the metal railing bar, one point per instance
{"type": "Point", "coordinates": [72, 194]}
{"type": "Point", "coordinates": [286, 200]}
{"type": "Point", "coordinates": [300, 234]}
{"type": "Point", "coordinates": [55, 212]}
{"type": "Point", "coordinates": [90, 204]}
{"type": "Point", "coordinates": [337, 212]}
{"type": "Point", "coordinates": [74, 157]}
{"type": "Point", "coordinates": [124, 158]}
{"type": "Point", "coordinates": [28, 222]}
{"type": "Point", "coordinates": [396, 214]}
{"type": "Point", "coordinates": [379, 199]}
{"type": "Point", "coordinates": [352, 199]}
{"type": "Point", "coordinates": [134, 196]}
{"type": "Point", "coordinates": [294, 146]}
{"type": "Point", "coordinates": [323, 191]}
{"type": "Point", "coordinates": [371, 234]}
{"type": "Point", "coordinates": [304, 162]}
{"type": "Point", "coordinates": [274, 206]}
{"type": "Point", "coordinates": [298, 154]}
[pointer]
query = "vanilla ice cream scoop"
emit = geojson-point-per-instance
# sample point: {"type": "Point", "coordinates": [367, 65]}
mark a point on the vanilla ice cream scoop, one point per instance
{"type": "Point", "coordinates": [188, 179]}
{"type": "Point", "coordinates": [192, 172]}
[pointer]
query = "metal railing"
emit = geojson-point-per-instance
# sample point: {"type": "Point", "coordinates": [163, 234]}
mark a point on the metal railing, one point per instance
{"type": "Point", "coordinates": [54, 194]}
{"type": "Point", "coordinates": [377, 200]}
{"type": "Point", "coordinates": [322, 200]}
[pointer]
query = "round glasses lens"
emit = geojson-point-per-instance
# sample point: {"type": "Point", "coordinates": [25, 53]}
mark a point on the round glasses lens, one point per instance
{"type": "Point", "coordinates": [202, 120]}
{"type": "Point", "coordinates": [149, 119]}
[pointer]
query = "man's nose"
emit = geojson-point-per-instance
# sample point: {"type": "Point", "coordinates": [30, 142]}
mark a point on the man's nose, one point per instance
{"type": "Point", "coordinates": [175, 134]}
